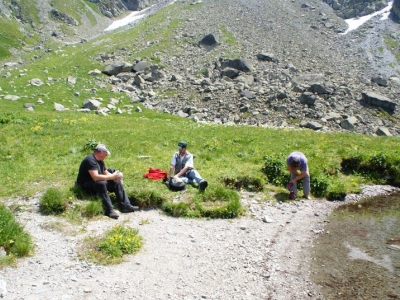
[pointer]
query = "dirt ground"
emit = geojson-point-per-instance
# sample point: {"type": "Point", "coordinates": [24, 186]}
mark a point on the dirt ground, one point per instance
{"type": "Point", "coordinates": [263, 255]}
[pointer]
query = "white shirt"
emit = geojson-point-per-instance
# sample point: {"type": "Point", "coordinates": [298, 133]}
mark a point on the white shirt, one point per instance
{"type": "Point", "coordinates": [189, 163]}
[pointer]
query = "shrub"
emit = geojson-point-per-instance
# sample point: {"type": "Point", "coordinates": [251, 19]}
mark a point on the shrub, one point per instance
{"type": "Point", "coordinates": [244, 183]}
{"type": "Point", "coordinates": [92, 209]}
{"type": "Point", "coordinates": [53, 202]}
{"type": "Point", "coordinates": [147, 198]}
{"type": "Point", "coordinates": [229, 210]}
{"type": "Point", "coordinates": [336, 191]}
{"type": "Point", "coordinates": [274, 168]}
{"type": "Point", "coordinates": [13, 239]}
{"type": "Point", "coordinates": [319, 185]}
{"type": "Point", "coordinates": [181, 209]}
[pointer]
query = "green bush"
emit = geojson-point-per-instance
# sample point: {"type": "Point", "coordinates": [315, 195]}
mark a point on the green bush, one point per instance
{"type": "Point", "coordinates": [53, 202]}
{"type": "Point", "coordinates": [92, 209]}
{"type": "Point", "coordinates": [319, 185]}
{"type": "Point", "coordinates": [336, 190]}
{"type": "Point", "coordinates": [181, 209]}
{"type": "Point", "coordinates": [146, 198]}
{"type": "Point", "coordinates": [379, 167]}
{"type": "Point", "coordinates": [274, 168]}
{"type": "Point", "coordinates": [13, 239]}
{"type": "Point", "coordinates": [244, 183]}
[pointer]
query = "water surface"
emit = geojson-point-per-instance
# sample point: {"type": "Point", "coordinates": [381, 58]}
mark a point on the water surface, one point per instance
{"type": "Point", "coordinates": [358, 256]}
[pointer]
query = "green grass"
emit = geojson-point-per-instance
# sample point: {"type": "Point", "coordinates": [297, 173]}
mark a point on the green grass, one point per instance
{"type": "Point", "coordinates": [111, 248]}
{"type": "Point", "coordinates": [45, 148]}
{"type": "Point", "coordinates": [13, 239]}
{"type": "Point", "coordinates": [228, 36]}
{"type": "Point", "coordinates": [393, 47]}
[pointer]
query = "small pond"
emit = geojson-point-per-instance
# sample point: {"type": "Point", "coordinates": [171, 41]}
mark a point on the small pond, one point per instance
{"type": "Point", "coordinates": [358, 256]}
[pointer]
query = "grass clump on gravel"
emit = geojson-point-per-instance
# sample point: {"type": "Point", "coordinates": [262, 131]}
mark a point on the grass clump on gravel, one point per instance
{"type": "Point", "coordinates": [14, 241]}
{"type": "Point", "coordinates": [111, 248]}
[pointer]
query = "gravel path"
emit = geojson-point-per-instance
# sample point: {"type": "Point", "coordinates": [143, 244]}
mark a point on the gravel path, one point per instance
{"type": "Point", "coordinates": [263, 255]}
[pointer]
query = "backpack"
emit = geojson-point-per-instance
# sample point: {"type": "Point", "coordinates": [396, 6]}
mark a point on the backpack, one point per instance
{"type": "Point", "coordinates": [174, 185]}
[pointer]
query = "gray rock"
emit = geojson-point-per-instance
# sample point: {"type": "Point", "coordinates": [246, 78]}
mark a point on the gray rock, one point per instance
{"type": "Point", "coordinates": [307, 98]}
{"type": "Point", "coordinates": [267, 219]}
{"type": "Point", "coordinates": [36, 82]}
{"type": "Point", "coordinates": [29, 105]}
{"type": "Point", "coordinates": [209, 40]}
{"type": "Point", "coordinates": [71, 80]}
{"type": "Point", "coordinates": [380, 81]}
{"type": "Point", "coordinates": [238, 64]}
{"type": "Point", "coordinates": [374, 99]}
{"type": "Point", "coordinates": [12, 97]}
{"type": "Point", "coordinates": [383, 131]}
{"type": "Point", "coordinates": [267, 57]}
{"type": "Point", "coordinates": [141, 66]}
{"type": "Point", "coordinates": [58, 107]}
{"type": "Point", "coordinates": [312, 125]}
{"type": "Point", "coordinates": [117, 67]}
{"type": "Point", "coordinates": [349, 123]}
{"type": "Point", "coordinates": [91, 104]}
{"type": "Point", "coordinates": [94, 72]}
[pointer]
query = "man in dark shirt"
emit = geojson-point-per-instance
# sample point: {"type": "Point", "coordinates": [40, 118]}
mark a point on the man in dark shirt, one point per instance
{"type": "Point", "coordinates": [93, 177]}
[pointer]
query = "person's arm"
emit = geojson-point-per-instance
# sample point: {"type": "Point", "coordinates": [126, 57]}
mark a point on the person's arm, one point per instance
{"type": "Point", "coordinates": [298, 176]}
{"type": "Point", "coordinates": [171, 170]}
{"type": "Point", "coordinates": [181, 172]}
{"type": "Point", "coordinates": [105, 176]}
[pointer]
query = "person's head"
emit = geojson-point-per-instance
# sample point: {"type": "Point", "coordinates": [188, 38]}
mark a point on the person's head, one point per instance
{"type": "Point", "coordinates": [182, 145]}
{"type": "Point", "coordinates": [295, 162]}
{"type": "Point", "coordinates": [101, 151]}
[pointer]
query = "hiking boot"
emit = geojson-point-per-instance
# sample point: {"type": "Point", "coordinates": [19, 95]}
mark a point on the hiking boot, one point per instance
{"type": "Point", "coordinates": [130, 208]}
{"type": "Point", "coordinates": [113, 214]}
{"type": "Point", "coordinates": [203, 185]}
{"type": "Point", "coordinates": [292, 196]}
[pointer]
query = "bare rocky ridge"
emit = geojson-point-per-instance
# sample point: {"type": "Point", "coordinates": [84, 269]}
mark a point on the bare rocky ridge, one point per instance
{"type": "Point", "coordinates": [301, 71]}
{"type": "Point", "coordinates": [263, 255]}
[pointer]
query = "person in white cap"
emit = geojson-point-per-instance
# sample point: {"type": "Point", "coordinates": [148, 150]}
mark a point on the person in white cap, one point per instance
{"type": "Point", "coordinates": [94, 177]}
{"type": "Point", "coordinates": [182, 168]}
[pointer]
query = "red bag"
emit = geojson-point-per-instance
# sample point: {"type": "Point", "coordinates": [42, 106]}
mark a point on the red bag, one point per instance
{"type": "Point", "coordinates": [156, 174]}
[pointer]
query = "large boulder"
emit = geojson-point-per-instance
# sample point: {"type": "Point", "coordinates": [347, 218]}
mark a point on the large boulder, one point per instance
{"type": "Point", "coordinates": [238, 64]}
{"type": "Point", "coordinates": [374, 99]}
{"type": "Point", "coordinates": [117, 67]}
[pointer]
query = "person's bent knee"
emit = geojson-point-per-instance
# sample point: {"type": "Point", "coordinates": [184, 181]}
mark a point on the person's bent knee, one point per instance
{"type": "Point", "coordinates": [100, 186]}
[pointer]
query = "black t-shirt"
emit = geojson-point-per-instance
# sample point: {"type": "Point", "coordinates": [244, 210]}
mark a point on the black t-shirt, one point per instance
{"type": "Point", "coordinates": [87, 164]}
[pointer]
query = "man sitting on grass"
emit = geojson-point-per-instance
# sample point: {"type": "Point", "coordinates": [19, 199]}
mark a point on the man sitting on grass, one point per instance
{"type": "Point", "coordinates": [182, 168]}
{"type": "Point", "coordinates": [94, 178]}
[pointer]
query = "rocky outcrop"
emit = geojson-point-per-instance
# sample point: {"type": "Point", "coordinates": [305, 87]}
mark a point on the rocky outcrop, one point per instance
{"type": "Point", "coordinates": [396, 9]}
{"type": "Point", "coordinates": [348, 9]}
{"type": "Point", "coordinates": [63, 17]}
{"type": "Point", "coordinates": [113, 8]}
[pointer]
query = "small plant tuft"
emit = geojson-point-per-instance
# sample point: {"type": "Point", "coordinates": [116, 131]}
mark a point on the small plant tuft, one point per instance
{"type": "Point", "coordinates": [53, 202]}
{"type": "Point", "coordinates": [111, 248]}
{"type": "Point", "coordinates": [13, 239]}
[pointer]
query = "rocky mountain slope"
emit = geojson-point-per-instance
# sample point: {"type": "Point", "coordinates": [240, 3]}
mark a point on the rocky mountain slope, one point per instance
{"type": "Point", "coordinates": [267, 63]}
{"type": "Point", "coordinates": [296, 68]}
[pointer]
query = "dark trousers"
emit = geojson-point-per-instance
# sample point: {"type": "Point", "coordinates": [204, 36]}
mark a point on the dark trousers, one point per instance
{"type": "Point", "coordinates": [101, 188]}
